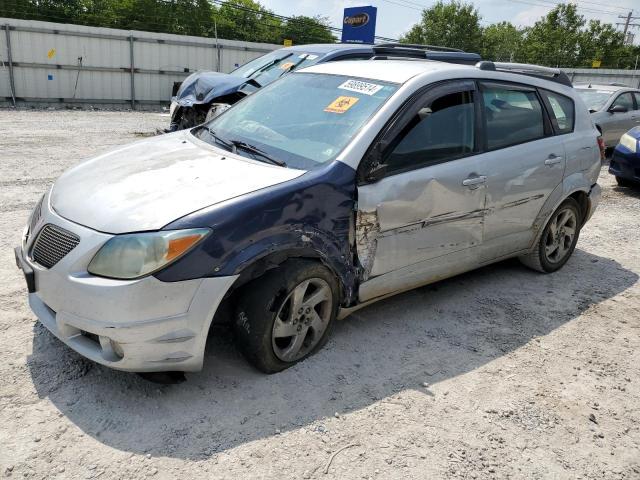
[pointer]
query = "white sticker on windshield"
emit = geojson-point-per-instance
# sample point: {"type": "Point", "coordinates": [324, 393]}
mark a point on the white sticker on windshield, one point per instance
{"type": "Point", "coordinates": [360, 87]}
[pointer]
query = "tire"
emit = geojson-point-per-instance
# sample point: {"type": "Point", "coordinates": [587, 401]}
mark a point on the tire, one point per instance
{"type": "Point", "coordinates": [558, 240]}
{"type": "Point", "coordinates": [273, 335]}
{"type": "Point", "coordinates": [623, 182]}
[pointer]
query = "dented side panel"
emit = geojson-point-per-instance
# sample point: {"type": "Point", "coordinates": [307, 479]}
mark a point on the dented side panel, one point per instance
{"type": "Point", "coordinates": [411, 217]}
{"type": "Point", "coordinates": [308, 216]}
{"type": "Point", "coordinates": [520, 179]}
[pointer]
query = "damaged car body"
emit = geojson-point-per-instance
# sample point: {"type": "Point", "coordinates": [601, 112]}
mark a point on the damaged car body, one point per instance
{"type": "Point", "coordinates": [204, 95]}
{"type": "Point", "coordinates": [385, 177]}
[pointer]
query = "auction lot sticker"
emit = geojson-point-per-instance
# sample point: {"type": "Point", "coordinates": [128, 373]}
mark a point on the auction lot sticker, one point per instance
{"type": "Point", "coordinates": [341, 104]}
{"type": "Point", "coordinates": [360, 87]}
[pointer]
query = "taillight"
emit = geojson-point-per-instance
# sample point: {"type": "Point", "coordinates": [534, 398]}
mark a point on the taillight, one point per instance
{"type": "Point", "coordinates": [601, 147]}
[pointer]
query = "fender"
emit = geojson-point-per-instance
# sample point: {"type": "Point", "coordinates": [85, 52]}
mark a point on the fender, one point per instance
{"type": "Point", "coordinates": [575, 182]}
{"type": "Point", "coordinates": [310, 215]}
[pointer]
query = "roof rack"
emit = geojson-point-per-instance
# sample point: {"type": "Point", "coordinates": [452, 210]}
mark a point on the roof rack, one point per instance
{"type": "Point", "coordinates": [547, 73]}
{"type": "Point", "coordinates": [432, 48]}
{"type": "Point", "coordinates": [385, 51]}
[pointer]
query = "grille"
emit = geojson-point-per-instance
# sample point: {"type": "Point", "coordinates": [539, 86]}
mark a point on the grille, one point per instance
{"type": "Point", "coordinates": [35, 217]}
{"type": "Point", "coordinates": [52, 245]}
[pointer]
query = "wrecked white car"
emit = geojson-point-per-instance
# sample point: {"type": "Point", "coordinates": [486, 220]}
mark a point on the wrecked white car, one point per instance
{"type": "Point", "coordinates": [331, 188]}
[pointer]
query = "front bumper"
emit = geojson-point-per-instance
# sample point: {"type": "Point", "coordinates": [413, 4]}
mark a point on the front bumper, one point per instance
{"type": "Point", "coordinates": [625, 164]}
{"type": "Point", "coordinates": [139, 325]}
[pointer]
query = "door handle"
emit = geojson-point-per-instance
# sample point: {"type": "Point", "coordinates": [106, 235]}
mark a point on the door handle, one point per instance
{"type": "Point", "coordinates": [553, 159]}
{"type": "Point", "coordinates": [470, 182]}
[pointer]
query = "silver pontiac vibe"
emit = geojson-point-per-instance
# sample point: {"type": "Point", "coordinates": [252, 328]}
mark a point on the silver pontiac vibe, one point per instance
{"type": "Point", "coordinates": [325, 191]}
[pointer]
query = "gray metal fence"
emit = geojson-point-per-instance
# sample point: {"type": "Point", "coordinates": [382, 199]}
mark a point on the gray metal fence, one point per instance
{"type": "Point", "coordinates": [604, 76]}
{"type": "Point", "coordinates": [62, 63]}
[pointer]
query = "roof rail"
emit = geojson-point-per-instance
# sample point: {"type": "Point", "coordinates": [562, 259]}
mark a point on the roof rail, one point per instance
{"type": "Point", "coordinates": [433, 48]}
{"type": "Point", "coordinates": [404, 50]}
{"type": "Point", "coordinates": [547, 73]}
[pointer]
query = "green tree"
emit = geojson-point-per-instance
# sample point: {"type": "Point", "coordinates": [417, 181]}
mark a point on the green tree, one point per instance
{"type": "Point", "coordinates": [451, 24]}
{"type": "Point", "coordinates": [247, 20]}
{"type": "Point", "coordinates": [502, 42]}
{"type": "Point", "coordinates": [303, 30]}
{"type": "Point", "coordinates": [556, 38]}
{"type": "Point", "coordinates": [601, 41]}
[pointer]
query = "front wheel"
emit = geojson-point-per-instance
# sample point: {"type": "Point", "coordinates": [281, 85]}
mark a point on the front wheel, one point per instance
{"type": "Point", "coordinates": [286, 315]}
{"type": "Point", "coordinates": [558, 239]}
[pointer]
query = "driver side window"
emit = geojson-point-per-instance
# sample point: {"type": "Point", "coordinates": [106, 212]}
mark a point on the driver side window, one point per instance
{"type": "Point", "coordinates": [443, 129]}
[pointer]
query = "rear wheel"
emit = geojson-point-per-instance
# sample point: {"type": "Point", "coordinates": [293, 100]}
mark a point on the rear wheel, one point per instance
{"type": "Point", "coordinates": [286, 315]}
{"type": "Point", "coordinates": [558, 239]}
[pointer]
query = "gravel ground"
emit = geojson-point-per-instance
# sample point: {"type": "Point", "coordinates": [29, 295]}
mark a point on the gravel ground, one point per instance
{"type": "Point", "coordinates": [498, 373]}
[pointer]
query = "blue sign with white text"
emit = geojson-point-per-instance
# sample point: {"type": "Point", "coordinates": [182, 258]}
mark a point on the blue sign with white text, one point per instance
{"type": "Point", "coordinates": [359, 25]}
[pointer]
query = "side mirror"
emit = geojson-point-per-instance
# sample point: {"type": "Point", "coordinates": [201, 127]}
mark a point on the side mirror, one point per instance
{"type": "Point", "coordinates": [378, 172]}
{"type": "Point", "coordinates": [378, 169]}
{"type": "Point", "coordinates": [618, 109]}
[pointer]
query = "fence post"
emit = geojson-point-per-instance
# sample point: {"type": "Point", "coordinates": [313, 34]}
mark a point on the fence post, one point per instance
{"type": "Point", "coordinates": [10, 59]}
{"type": "Point", "coordinates": [133, 82]}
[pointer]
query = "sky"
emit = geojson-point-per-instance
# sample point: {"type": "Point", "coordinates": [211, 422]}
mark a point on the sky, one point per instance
{"type": "Point", "coordinates": [396, 16]}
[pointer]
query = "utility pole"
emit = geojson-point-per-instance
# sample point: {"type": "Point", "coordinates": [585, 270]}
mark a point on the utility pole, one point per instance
{"type": "Point", "coordinates": [627, 23]}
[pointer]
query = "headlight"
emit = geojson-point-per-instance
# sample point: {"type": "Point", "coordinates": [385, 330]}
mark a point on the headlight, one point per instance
{"type": "Point", "coordinates": [629, 142]}
{"type": "Point", "coordinates": [138, 254]}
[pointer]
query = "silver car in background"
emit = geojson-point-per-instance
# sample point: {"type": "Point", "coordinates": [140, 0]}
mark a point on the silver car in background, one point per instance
{"type": "Point", "coordinates": [614, 109]}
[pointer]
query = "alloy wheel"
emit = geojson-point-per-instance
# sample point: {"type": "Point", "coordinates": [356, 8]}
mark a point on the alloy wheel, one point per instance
{"type": "Point", "coordinates": [560, 235]}
{"type": "Point", "coordinates": [302, 319]}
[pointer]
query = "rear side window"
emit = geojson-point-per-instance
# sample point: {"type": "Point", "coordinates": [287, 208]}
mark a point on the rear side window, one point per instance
{"type": "Point", "coordinates": [512, 116]}
{"type": "Point", "coordinates": [637, 95]}
{"type": "Point", "coordinates": [562, 111]}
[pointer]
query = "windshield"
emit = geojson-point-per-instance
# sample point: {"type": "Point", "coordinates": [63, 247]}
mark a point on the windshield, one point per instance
{"type": "Point", "coordinates": [272, 66]}
{"type": "Point", "coordinates": [594, 99]}
{"type": "Point", "coordinates": [303, 120]}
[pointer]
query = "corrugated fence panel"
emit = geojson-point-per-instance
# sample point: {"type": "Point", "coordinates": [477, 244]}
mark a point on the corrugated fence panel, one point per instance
{"type": "Point", "coordinates": [604, 76]}
{"type": "Point", "coordinates": [61, 62]}
{"type": "Point", "coordinates": [5, 88]}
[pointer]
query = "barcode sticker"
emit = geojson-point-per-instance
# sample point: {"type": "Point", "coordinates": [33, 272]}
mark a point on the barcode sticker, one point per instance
{"type": "Point", "coordinates": [360, 87]}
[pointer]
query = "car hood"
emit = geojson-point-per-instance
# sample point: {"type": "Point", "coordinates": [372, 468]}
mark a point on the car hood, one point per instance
{"type": "Point", "coordinates": [202, 87]}
{"type": "Point", "coordinates": [146, 185]}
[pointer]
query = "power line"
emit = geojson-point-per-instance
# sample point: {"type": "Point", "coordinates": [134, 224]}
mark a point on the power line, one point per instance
{"type": "Point", "coordinates": [282, 17]}
{"type": "Point", "coordinates": [551, 4]}
{"type": "Point", "coordinates": [628, 24]}
{"type": "Point", "coordinates": [600, 4]}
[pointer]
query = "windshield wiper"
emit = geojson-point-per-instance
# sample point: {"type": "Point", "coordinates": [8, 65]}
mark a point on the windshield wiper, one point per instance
{"type": "Point", "coordinates": [268, 65]}
{"type": "Point", "coordinates": [292, 67]}
{"type": "Point", "coordinates": [237, 144]}
{"type": "Point", "coordinates": [217, 139]}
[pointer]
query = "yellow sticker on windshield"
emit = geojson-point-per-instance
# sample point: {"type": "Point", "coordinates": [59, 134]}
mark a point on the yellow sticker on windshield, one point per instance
{"type": "Point", "coordinates": [341, 104]}
{"type": "Point", "coordinates": [287, 66]}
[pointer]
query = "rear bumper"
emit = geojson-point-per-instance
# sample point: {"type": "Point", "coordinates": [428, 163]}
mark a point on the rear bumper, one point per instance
{"type": "Point", "coordinates": [595, 194]}
{"type": "Point", "coordinates": [625, 165]}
